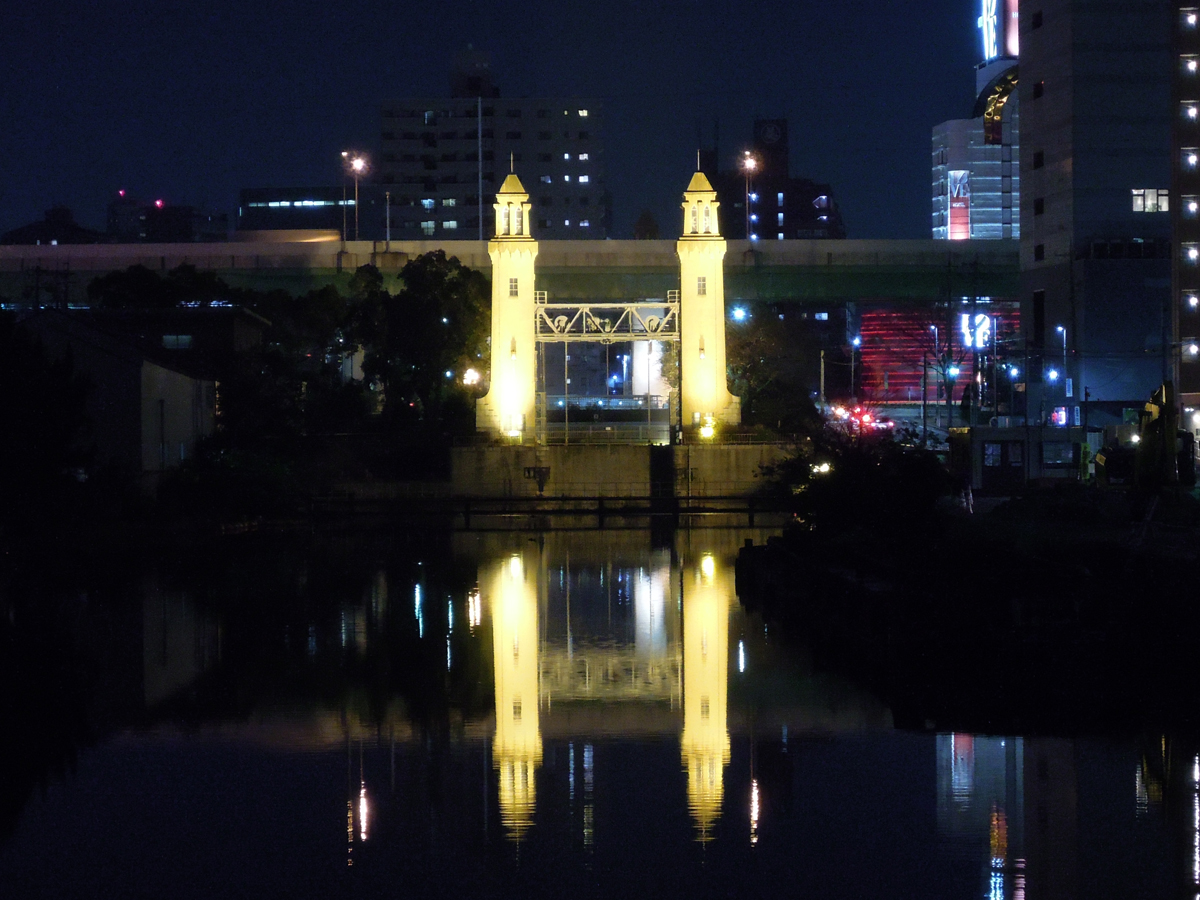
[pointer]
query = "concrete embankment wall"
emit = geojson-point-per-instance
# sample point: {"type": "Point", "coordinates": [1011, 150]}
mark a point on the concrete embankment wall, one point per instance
{"type": "Point", "coordinates": [616, 471]}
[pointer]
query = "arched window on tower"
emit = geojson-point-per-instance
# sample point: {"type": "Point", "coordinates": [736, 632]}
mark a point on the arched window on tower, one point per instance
{"type": "Point", "coordinates": [695, 219]}
{"type": "Point", "coordinates": [707, 219]}
{"type": "Point", "coordinates": [504, 219]}
{"type": "Point", "coordinates": [517, 229]}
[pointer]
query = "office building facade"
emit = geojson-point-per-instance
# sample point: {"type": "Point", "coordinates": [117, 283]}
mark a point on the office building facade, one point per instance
{"type": "Point", "coordinates": [772, 204]}
{"type": "Point", "coordinates": [1096, 173]}
{"type": "Point", "coordinates": [440, 155]}
{"type": "Point", "coordinates": [976, 161]}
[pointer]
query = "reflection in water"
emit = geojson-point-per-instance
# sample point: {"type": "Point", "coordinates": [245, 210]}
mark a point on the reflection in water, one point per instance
{"type": "Point", "coordinates": [981, 790]}
{"type": "Point", "coordinates": [707, 595]}
{"type": "Point", "coordinates": [612, 701]}
{"type": "Point", "coordinates": [573, 626]}
{"type": "Point", "coordinates": [510, 591]}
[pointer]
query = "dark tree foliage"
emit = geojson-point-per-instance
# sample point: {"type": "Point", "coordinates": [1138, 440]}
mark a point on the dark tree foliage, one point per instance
{"type": "Point", "coordinates": [45, 423]}
{"type": "Point", "coordinates": [842, 482]}
{"type": "Point", "coordinates": [437, 323]}
{"type": "Point", "coordinates": [771, 361]}
{"type": "Point", "coordinates": [646, 227]}
{"type": "Point", "coordinates": [140, 288]}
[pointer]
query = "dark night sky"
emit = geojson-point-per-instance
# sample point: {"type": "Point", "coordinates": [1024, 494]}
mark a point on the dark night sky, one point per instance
{"type": "Point", "coordinates": [192, 101]}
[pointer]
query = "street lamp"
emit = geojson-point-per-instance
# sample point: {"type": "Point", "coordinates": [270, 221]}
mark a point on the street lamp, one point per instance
{"type": "Point", "coordinates": [855, 343]}
{"type": "Point", "coordinates": [1061, 329]}
{"type": "Point", "coordinates": [749, 166]}
{"type": "Point", "coordinates": [356, 165]}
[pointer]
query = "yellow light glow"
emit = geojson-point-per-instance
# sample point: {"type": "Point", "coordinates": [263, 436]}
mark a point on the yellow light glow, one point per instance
{"type": "Point", "coordinates": [707, 566]}
{"type": "Point", "coordinates": [754, 811]}
{"type": "Point", "coordinates": [362, 811]}
{"type": "Point", "coordinates": [515, 567]}
{"type": "Point", "coordinates": [471, 377]}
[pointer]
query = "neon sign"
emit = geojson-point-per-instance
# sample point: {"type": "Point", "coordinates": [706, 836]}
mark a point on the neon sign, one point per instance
{"type": "Point", "coordinates": [989, 24]}
{"type": "Point", "coordinates": [977, 334]}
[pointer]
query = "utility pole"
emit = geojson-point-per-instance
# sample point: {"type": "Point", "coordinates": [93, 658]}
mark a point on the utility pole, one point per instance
{"type": "Point", "coordinates": [822, 391]}
{"type": "Point", "coordinates": [387, 205]}
{"type": "Point", "coordinates": [924, 395]}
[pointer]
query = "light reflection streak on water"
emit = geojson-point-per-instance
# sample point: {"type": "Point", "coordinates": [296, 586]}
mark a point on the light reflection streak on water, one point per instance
{"type": "Point", "coordinates": [754, 811]}
{"type": "Point", "coordinates": [1196, 820]}
{"type": "Point", "coordinates": [417, 611]}
{"type": "Point", "coordinates": [362, 811]}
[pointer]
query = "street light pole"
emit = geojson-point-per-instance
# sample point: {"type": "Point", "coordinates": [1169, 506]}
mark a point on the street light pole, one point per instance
{"type": "Point", "coordinates": [749, 166]}
{"type": "Point", "coordinates": [1061, 329]}
{"type": "Point", "coordinates": [387, 207]}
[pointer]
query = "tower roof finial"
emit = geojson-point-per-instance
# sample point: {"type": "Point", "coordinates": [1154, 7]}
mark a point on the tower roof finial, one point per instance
{"type": "Point", "coordinates": [510, 163]}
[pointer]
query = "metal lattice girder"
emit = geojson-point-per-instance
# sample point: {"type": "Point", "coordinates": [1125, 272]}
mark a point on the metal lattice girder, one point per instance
{"type": "Point", "coordinates": [634, 320]}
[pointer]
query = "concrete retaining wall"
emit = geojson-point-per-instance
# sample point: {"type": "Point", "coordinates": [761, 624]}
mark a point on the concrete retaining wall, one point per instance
{"type": "Point", "coordinates": [615, 471]}
{"type": "Point", "coordinates": [602, 471]}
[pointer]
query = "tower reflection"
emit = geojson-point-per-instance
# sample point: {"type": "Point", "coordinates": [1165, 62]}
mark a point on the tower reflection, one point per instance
{"type": "Point", "coordinates": [596, 634]}
{"type": "Point", "coordinates": [511, 592]}
{"type": "Point", "coordinates": [707, 593]}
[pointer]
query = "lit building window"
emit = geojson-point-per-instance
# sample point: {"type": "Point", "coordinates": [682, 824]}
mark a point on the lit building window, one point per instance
{"type": "Point", "coordinates": [567, 222]}
{"type": "Point", "coordinates": [512, 287]}
{"type": "Point", "coordinates": [583, 114]}
{"type": "Point", "coordinates": [1191, 253]}
{"type": "Point", "coordinates": [1190, 65]}
{"type": "Point", "coordinates": [701, 286]}
{"type": "Point", "coordinates": [450, 224]}
{"type": "Point", "coordinates": [566, 156]}
{"type": "Point", "coordinates": [1190, 207]}
{"type": "Point", "coordinates": [583, 157]}
{"type": "Point", "coordinates": [1188, 18]}
{"type": "Point", "coordinates": [779, 236]}
{"type": "Point", "coordinates": [449, 201]}
{"type": "Point", "coordinates": [427, 227]}
{"type": "Point", "coordinates": [584, 224]}
{"type": "Point", "coordinates": [1151, 200]}
{"type": "Point", "coordinates": [1191, 157]}
{"type": "Point", "coordinates": [1191, 111]}
{"type": "Point", "coordinates": [566, 178]}
{"type": "Point", "coordinates": [779, 198]}
{"type": "Point", "coordinates": [584, 179]}
{"type": "Point", "coordinates": [780, 218]}
{"type": "Point", "coordinates": [546, 179]}
{"type": "Point", "coordinates": [428, 203]}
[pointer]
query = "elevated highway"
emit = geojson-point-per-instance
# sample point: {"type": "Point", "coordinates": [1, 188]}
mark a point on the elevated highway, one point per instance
{"type": "Point", "coordinates": [816, 272]}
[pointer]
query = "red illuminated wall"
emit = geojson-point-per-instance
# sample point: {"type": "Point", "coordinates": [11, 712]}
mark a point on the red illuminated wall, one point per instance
{"type": "Point", "coordinates": [895, 341]}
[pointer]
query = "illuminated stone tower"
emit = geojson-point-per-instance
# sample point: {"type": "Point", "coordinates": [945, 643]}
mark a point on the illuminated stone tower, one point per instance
{"type": "Point", "coordinates": [701, 250]}
{"type": "Point", "coordinates": [517, 748]}
{"type": "Point", "coordinates": [509, 406]}
{"type": "Point", "coordinates": [708, 587]}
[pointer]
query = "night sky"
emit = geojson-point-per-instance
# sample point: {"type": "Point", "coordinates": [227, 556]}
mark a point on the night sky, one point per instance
{"type": "Point", "coordinates": [192, 101]}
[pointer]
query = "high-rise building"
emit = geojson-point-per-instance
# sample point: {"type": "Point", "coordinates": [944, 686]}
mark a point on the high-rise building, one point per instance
{"type": "Point", "coordinates": [1185, 214]}
{"type": "Point", "coordinates": [1096, 175]}
{"type": "Point", "coordinates": [976, 179]}
{"type": "Point", "coordinates": [771, 204]}
{"type": "Point", "coordinates": [439, 155]}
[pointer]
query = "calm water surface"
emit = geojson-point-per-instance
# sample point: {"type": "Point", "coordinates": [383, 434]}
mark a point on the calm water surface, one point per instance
{"type": "Point", "coordinates": [525, 714]}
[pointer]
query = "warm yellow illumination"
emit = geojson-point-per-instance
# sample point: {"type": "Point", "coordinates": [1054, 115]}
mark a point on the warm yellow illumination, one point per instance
{"type": "Point", "coordinates": [754, 811]}
{"type": "Point", "coordinates": [471, 378]}
{"type": "Point", "coordinates": [517, 747]}
{"type": "Point", "coordinates": [705, 741]}
{"type": "Point", "coordinates": [701, 250]}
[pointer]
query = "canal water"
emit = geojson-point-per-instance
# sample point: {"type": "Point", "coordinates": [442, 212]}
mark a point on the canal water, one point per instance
{"type": "Point", "coordinates": [523, 714]}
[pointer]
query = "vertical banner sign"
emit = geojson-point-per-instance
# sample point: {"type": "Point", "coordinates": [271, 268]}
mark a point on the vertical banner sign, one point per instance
{"type": "Point", "coordinates": [959, 189]}
{"type": "Point", "coordinates": [1011, 40]}
{"type": "Point", "coordinates": [989, 27]}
